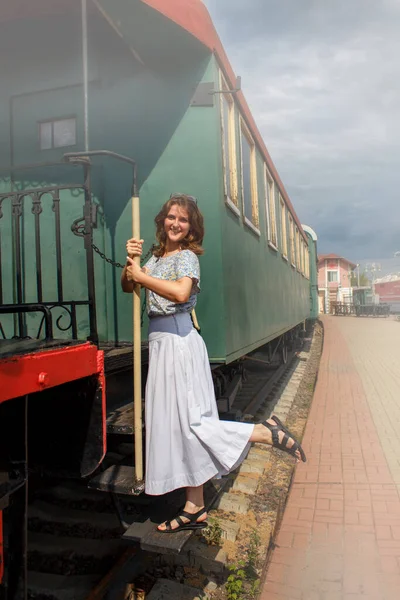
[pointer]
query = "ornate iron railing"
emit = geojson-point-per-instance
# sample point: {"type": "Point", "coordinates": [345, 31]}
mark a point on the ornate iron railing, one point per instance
{"type": "Point", "coordinates": [59, 310]}
{"type": "Point", "coordinates": [25, 238]}
{"type": "Point", "coordinates": [367, 310]}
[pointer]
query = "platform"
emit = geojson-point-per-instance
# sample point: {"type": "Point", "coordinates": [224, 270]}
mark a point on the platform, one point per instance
{"type": "Point", "coordinates": [340, 535]}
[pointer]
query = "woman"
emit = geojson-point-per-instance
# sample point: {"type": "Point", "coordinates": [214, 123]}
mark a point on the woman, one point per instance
{"type": "Point", "coordinates": [186, 443]}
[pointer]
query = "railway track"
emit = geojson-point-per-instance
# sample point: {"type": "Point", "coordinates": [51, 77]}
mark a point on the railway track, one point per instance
{"type": "Point", "coordinates": [75, 546]}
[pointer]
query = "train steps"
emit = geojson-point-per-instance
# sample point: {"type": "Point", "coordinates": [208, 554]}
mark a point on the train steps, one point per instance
{"type": "Point", "coordinates": [102, 523]}
{"type": "Point", "coordinates": [119, 357]}
{"type": "Point", "coordinates": [151, 510]}
{"type": "Point", "coordinates": [74, 537]}
{"type": "Point", "coordinates": [84, 549]}
{"type": "Point", "coordinates": [62, 587]}
{"type": "Point", "coordinates": [120, 420]}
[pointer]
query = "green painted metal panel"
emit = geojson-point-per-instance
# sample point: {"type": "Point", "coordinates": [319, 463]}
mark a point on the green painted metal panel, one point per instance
{"type": "Point", "coordinates": [188, 164]}
{"type": "Point", "coordinates": [263, 295]}
{"type": "Point", "coordinates": [133, 110]}
{"type": "Point", "coordinates": [249, 293]}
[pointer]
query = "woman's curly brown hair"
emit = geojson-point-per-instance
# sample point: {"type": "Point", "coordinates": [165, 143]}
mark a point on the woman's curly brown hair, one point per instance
{"type": "Point", "coordinates": [194, 239]}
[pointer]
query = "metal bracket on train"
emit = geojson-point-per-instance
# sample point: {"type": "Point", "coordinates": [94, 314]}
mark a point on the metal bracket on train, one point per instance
{"type": "Point", "coordinates": [78, 226]}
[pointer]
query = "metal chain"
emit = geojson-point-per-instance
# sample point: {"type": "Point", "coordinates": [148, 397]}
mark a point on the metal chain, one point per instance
{"type": "Point", "coordinates": [117, 264]}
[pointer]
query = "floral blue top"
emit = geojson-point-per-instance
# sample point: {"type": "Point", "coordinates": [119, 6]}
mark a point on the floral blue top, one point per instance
{"type": "Point", "coordinates": [183, 264]}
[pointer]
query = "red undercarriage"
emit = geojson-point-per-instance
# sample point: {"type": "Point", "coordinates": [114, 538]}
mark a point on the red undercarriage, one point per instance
{"type": "Point", "coordinates": [35, 372]}
{"type": "Point", "coordinates": [30, 373]}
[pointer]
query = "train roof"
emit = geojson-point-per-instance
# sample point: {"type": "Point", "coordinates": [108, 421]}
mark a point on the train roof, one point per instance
{"type": "Point", "coordinates": [190, 15]}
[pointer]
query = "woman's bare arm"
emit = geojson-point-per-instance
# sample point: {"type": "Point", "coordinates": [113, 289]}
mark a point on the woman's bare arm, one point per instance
{"type": "Point", "coordinates": [177, 291]}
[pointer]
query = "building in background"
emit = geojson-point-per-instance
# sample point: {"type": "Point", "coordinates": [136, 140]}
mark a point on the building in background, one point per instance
{"type": "Point", "coordinates": [387, 289]}
{"type": "Point", "coordinates": [334, 281]}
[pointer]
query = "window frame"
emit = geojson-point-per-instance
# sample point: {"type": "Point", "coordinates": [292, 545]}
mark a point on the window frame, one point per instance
{"type": "Point", "coordinates": [52, 122]}
{"type": "Point", "coordinates": [270, 202]}
{"type": "Point", "coordinates": [301, 253]}
{"type": "Point", "coordinates": [332, 271]}
{"type": "Point", "coordinates": [230, 172]}
{"type": "Point", "coordinates": [297, 236]}
{"type": "Point", "coordinates": [292, 241]}
{"type": "Point", "coordinates": [284, 243]}
{"type": "Point", "coordinates": [253, 224]}
{"type": "Point", "coordinates": [307, 261]}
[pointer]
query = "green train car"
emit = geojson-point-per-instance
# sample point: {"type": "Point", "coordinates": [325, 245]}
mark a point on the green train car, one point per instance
{"type": "Point", "coordinates": [154, 84]}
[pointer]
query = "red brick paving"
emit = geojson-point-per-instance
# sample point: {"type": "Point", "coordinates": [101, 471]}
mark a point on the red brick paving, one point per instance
{"type": "Point", "coordinates": [340, 535]}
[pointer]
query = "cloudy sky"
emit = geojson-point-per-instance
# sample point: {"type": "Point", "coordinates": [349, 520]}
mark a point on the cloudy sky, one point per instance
{"type": "Point", "coordinates": [322, 78]}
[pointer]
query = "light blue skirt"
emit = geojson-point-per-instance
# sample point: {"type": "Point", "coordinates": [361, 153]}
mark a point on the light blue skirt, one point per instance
{"type": "Point", "coordinates": [186, 443]}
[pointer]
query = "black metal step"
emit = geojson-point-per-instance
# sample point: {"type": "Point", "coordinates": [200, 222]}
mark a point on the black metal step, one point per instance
{"type": "Point", "coordinates": [120, 420]}
{"type": "Point", "coordinates": [164, 508]}
{"type": "Point", "coordinates": [152, 510]}
{"type": "Point", "coordinates": [150, 539]}
{"type": "Point", "coordinates": [119, 479]}
{"type": "Point", "coordinates": [120, 358]}
{"type": "Point", "coordinates": [64, 587]}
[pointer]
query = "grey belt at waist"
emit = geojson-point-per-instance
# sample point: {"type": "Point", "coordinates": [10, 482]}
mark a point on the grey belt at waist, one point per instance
{"type": "Point", "coordinates": [178, 323]}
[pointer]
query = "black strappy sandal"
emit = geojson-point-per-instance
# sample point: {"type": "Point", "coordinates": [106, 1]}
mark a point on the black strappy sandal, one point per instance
{"type": "Point", "coordinates": [274, 429]}
{"type": "Point", "coordinates": [192, 525]}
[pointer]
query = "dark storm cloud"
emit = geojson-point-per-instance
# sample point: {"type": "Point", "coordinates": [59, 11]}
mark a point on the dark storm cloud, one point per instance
{"type": "Point", "coordinates": [322, 78]}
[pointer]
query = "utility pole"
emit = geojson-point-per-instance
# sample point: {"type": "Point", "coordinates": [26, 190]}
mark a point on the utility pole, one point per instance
{"type": "Point", "coordinates": [373, 269]}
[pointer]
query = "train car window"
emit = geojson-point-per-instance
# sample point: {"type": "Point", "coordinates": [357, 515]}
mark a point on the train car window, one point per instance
{"type": "Point", "coordinates": [301, 254]}
{"type": "Point", "coordinates": [270, 210]}
{"type": "Point", "coordinates": [298, 260]}
{"type": "Point", "coordinates": [59, 133]}
{"type": "Point", "coordinates": [284, 246]}
{"type": "Point", "coordinates": [292, 243]}
{"type": "Point", "coordinates": [249, 179]}
{"type": "Point", "coordinates": [228, 128]}
{"type": "Point", "coordinates": [306, 259]}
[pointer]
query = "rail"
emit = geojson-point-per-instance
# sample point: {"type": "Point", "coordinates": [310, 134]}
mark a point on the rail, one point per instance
{"type": "Point", "coordinates": [34, 243]}
{"type": "Point", "coordinates": [361, 310]}
{"type": "Point", "coordinates": [341, 308]}
{"type": "Point", "coordinates": [39, 224]}
{"type": "Point", "coordinates": [373, 310]}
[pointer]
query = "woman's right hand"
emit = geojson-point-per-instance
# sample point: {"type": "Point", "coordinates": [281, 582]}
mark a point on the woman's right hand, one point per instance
{"type": "Point", "coordinates": [134, 247]}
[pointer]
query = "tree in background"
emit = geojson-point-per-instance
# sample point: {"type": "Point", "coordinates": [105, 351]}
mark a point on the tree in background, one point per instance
{"type": "Point", "coordinates": [364, 281]}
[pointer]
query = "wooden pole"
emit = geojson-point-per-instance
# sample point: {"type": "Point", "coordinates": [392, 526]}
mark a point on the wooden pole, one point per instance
{"type": "Point", "coordinates": [85, 73]}
{"type": "Point", "coordinates": [137, 357]}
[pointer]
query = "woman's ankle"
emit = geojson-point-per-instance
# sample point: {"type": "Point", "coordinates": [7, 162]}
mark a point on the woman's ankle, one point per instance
{"type": "Point", "coordinates": [192, 507]}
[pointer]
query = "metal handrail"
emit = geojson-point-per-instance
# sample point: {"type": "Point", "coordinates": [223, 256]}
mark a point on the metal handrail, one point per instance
{"type": "Point", "coordinates": [70, 156]}
{"type": "Point", "coordinates": [25, 308]}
